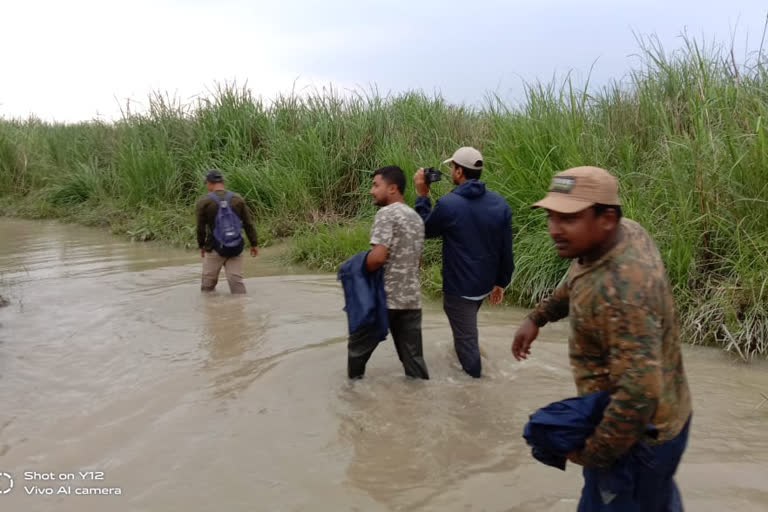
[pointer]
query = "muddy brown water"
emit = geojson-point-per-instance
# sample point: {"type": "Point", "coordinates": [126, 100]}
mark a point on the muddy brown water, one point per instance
{"type": "Point", "coordinates": [112, 362]}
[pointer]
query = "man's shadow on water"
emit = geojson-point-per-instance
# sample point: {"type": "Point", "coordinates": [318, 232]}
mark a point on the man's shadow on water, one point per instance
{"type": "Point", "coordinates": [413, 441]}
{"type": "Point", "coordinates": [234, 330]}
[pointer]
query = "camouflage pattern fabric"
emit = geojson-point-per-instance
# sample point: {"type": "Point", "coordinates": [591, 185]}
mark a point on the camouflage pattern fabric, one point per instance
{"type": "Point", "coordinates": [624, 338]}
{"type": "Point", "coordinates": [400, 229]}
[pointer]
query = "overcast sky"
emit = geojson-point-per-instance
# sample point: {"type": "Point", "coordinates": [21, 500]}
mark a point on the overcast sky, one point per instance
{"type": "Point", "coordinates": [82, 59]}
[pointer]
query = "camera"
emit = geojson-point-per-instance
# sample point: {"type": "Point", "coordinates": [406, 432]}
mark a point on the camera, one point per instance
{"type": "Point", "coordinates": [432, 175]}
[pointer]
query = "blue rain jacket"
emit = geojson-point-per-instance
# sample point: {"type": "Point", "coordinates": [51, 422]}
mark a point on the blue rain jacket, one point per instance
{"type": "Point", "coordinates": [364, 298]}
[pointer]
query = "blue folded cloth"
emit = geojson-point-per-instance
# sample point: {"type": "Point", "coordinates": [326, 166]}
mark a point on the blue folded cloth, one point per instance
{"type": "Point", "coordinates": [365, 300]}
{"type": "Point", "coordinates": [564, 426]}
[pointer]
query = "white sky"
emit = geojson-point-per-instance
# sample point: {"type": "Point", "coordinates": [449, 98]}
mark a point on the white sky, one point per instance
{"type": "Point", "coordinates": [82, 59]}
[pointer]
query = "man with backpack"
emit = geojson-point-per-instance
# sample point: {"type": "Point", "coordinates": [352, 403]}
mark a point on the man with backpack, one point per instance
{"type": "Point", "coordinates": [221, 217]}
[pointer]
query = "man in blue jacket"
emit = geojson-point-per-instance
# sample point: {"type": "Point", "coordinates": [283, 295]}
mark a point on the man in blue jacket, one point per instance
{"type": "Point", "coordinates": [475, 225]}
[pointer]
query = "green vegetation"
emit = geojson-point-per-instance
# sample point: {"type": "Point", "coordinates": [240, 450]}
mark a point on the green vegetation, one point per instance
{"type": "Point", "coordinates": [685, 133]}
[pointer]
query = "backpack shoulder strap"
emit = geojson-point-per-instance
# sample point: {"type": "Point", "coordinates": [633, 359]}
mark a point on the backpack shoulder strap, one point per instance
{"type": "Point", "coordinates": [215, 197]}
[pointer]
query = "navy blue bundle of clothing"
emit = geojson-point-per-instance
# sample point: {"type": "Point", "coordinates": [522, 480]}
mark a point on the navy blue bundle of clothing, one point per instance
{"type": "Point", "coordinates": [641, 480]}
{"type": "Point", "coordinates": [365, 300]}
{"type": "Point", "coordinates": [563, 427]}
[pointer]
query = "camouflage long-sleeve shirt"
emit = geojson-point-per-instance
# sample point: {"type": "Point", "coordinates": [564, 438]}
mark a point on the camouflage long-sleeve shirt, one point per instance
{"type": "Point", "coordinates": [624, 338]}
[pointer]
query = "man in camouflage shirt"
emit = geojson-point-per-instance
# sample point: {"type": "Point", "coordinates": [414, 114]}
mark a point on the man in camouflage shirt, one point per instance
{"type": "Point", "coordinates": [397, 241]}
{"type": "Point", "coordinates": [624, 333]}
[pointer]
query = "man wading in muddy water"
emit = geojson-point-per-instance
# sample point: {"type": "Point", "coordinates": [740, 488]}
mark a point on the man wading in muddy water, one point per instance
{"type": "Point", "coordinates": [397, 241]}
{"type": "Point", "coordinates": [624, 338]}
{"type": "Point", "coordinates": [221, 215]}
{"type": "Point", "coordinates": [475, 225]}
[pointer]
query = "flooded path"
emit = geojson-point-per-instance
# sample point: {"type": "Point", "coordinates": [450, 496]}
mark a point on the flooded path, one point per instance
{"type": "Point", "coordinates": [111, 361]}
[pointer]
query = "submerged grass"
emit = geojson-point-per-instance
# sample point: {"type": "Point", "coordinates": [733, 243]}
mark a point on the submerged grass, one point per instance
{"type": "Point", "coordinates": [685, 133]}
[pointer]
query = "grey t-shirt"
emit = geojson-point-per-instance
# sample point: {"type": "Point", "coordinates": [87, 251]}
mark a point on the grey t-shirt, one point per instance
{"type": "Point", "coordinates": [400, 229]}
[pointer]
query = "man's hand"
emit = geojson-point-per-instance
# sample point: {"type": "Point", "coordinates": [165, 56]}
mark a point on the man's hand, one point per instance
{"type": "Point", "coordinates": [496, 295]}
{"type": "Point", "coordinates": [526, 333]}
{"type": "Point", "coordinates": [254, 251]}
{"type": "Point", "coordinates": [420, 182]}
{"type": "Point", "coordinates": [574, 457]}
{"type": "Point", "coordinates": [202, 253]}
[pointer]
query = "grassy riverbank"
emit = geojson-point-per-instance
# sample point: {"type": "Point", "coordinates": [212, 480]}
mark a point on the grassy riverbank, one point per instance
{"type": "Point", "coordinates": [685, 133]}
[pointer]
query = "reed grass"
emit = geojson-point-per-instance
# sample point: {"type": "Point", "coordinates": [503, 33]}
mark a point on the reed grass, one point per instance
{"type": "Point", "coordinates": [685, 132]}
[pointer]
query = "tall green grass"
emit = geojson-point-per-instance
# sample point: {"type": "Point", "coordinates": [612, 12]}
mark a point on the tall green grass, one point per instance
{"type": "Point", "coordinates": [685, 132]}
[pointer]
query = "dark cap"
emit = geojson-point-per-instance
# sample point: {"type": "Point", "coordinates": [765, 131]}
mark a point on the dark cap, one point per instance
{"type": "Point", "coordinates": [214, 176]}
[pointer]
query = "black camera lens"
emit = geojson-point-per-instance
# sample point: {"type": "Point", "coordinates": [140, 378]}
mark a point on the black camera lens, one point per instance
{"type": "Point", "coordinates": [432, 175]}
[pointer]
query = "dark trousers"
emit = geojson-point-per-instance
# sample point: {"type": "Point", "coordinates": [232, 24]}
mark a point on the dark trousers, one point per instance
{"type": "Point", "coordinates": [462, 315]}
{"type": "Point", "coordinates": [405, 327]}
{"type": "Point", "coordinates": [655, 489]}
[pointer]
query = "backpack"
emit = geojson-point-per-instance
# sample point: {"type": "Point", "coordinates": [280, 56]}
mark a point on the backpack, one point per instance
{"type": "Point", "coordinates": [227, 231]}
